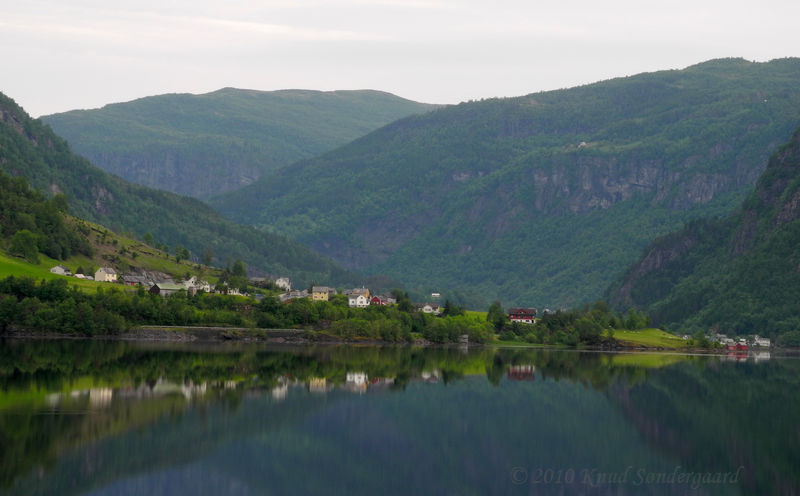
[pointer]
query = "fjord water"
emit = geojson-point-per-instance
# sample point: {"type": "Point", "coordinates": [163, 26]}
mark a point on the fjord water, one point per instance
{"type": "Point", "coordinates": [103, 418]}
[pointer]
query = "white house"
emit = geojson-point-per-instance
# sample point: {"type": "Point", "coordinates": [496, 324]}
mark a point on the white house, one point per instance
{"type": "Point", "coordinates": [433, 308]}
{"type": "Point", "coordinates": [60, 270]}
{"type": "Point", "coordinates": [105, 274]}
{"type": "Point", "coordinates": [193, 285]}
{"type": "Point", "coordinates": [761, 342]}
{"type": "Point", "coordinates": [284, 283]}
{"type": "Point", "coordinates": [358, 301]}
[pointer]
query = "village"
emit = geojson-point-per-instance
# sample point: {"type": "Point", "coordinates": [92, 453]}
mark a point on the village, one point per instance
{"type": "Point", "coordinates": [161, 284]}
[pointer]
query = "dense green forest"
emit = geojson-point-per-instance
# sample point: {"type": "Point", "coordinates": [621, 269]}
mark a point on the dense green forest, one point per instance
{"type": "Point", "coordinates": [29, 148]}
{"type": "Point", "coordinates": [539, 200]}
{"type": "Point", "coordinates": [199, 145]}
{"type": "Point", "coordinates": [738, 275]}
{"type": "Point", "coordinates": [30, 223]}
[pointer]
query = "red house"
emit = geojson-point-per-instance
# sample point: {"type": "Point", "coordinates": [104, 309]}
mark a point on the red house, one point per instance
{"type": "Point", "coordinates": [522, 315]}
{"type": "Point", "coordinates": [382, 299]}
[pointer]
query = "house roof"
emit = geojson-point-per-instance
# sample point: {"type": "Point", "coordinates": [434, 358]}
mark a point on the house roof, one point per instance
{"type": "Point", "coordinates": [522, 311]}
{"type": "Point", "coordinates": [107, 270]}
{"type": "Point", "coordinates": [165, 286]}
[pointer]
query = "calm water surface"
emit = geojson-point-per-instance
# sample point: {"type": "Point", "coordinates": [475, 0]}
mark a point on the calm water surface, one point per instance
{"type": "Point", "coordinates": [97, 418]}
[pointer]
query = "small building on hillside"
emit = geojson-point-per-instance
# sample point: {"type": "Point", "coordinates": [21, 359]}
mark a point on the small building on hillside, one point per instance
{"type": "Point", "coordinates": [284, 283]}
{"type": "Point", "coordinates": [258, 282]}
{"type": "Point", "coordinates": [135, 280]}
{"type": "Point", "coordinates": [193, 285]}
{"type": "Point", "coordinates": [382, 300]}
{"type": "Point", "coordinates": [105, 274]}
{"type": "Point", "coordinates": [522, 315]}
{"type": "Point", "coordinates": [293, 295]}
{"type": "Point", "coordinates": [760, 342]}
{"type": "Point", "coordinates": [166, 288]}
{"type": "Point", "coordinates": [322, 293]}
{"type": "Point", "coordinates": [60, 270]}
{"type": "Point", "coordinates": [357, 301]}
{"type": "Point", "coordinates": [358, 291]}
{"type": "Point", "coordinates": [432, 308]}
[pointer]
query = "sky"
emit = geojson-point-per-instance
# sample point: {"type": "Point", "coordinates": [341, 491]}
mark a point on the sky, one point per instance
{"type": "Point", "coordinates": [62, 55]}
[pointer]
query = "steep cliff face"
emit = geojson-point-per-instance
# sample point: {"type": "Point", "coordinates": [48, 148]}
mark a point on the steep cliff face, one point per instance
{"type": "Point", "coordinates": [537, 200]}
{"type": "Point", "coordinates": [741, 273]}
{"type": "Point", "coordinates": [179, 172]}
{"type": "Point", "coordinates": [201, 145]}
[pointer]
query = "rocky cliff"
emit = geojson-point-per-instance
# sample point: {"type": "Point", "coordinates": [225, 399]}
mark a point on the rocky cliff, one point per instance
{"type": "Point", "coordinates": [740, 273]}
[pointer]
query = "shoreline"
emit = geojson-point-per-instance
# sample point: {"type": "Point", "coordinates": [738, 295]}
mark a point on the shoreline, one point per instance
{"type": "Point", "coordinates": [219, 334]}
{"type": "Point", "coordinates": [208, 334]}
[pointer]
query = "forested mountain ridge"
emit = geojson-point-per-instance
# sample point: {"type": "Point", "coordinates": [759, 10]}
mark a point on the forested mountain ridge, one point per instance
{"type": "Point", "coordinates": [539, 200]}
{"type": "Point", "coordinates": [30, 149]}
{"type": "Point", "coordinates": [740, 274]}
{"type": "Point", "coordinates": [200, 145]}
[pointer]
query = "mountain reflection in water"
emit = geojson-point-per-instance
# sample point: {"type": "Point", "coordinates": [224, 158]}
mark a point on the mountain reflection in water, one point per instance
{"type": "Point", "coordinates": [89, 417]}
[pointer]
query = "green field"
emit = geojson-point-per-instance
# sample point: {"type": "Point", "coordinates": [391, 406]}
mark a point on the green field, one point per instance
{"type": "Point", "coordinates": [651, 338]}
{"type": "Point", "coordinates": [107, 245]}
{"type": "Point", "coordinates": [479, 316]}
{"type": "Point", "coordinates": [13, 266]}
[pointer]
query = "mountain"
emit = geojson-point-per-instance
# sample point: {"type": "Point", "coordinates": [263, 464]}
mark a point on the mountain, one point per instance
{"type": "Point", "coordinates": [740, 274]}
{"type": "Point", "coordinates": [200, 145]}
{"type": "Point", "coordinates": [30, 149]}
{"type": "Point", "coordinates": [540, 200]}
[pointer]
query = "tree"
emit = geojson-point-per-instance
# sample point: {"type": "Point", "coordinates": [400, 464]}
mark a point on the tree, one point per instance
{"type": "Point", "coordinates": [239, 269]}
{"type": "Point", "coordinates": [24, 244]}
{"type": "Point", "coordinates": [403, 301]}
{"type": "Point", "coordinates": [148, 239]}
{"type": "Point", "coordinates": [60, 202]}
{"type": "Point", "coordinates": [451, 309]}
{"type": "Point", "coordinates": [208, 255]}
{"type": "Point", "coordinates": [496, 316]}
{"type": "Point", "coordinates": [181, 253]}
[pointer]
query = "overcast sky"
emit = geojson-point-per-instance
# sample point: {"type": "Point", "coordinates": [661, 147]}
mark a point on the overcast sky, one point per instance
{"type": "Point", "coordinates": [65, 54]}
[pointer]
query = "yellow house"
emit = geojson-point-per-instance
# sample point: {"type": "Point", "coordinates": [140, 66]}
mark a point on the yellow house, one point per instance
{"type": "Point", "coordinates": [321, 293]}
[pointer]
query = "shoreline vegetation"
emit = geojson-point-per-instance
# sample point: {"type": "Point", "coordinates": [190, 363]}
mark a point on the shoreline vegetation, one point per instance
{"type": "Point", "coordinates": [55, 309]}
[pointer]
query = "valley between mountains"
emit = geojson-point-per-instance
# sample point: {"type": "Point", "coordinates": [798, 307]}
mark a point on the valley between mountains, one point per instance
{"type": "Point", "coordinates": [541, 200]}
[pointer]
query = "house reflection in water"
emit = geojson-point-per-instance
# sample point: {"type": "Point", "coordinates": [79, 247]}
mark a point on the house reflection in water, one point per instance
{"type": "Point", "coordinates": [521, 372]}
{"type": "Point", "coordinates": [318, 385]}
{"type": "Point", "coordinates": [280, 391]}
{"type": "Point", "coordinates": [432, 376]}
{"type": "Point", "coordinates": [761, 356]}
{"type": "Point", "coordinates": [100, 398]}
{"type": "Point", "coordinates": [356, 382]}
